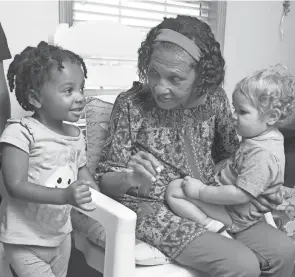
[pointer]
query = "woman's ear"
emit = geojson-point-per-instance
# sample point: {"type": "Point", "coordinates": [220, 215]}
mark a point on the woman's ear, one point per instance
{"type": "Point", "coordinates": [34, 98]}
{"type": "Point", "coordinates": [273, 116]}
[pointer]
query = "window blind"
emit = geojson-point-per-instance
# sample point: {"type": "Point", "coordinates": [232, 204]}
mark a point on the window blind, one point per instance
{"type": "Point", "coordinates": [107, 71]}
{"type": "Point", "coordinates": [142, 14]}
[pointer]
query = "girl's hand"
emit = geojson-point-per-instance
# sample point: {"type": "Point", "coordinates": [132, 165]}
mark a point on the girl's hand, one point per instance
{"type": "Point", "coordinates": [78, 194]}
{"type": "Point", "coordinates": [142, 169]}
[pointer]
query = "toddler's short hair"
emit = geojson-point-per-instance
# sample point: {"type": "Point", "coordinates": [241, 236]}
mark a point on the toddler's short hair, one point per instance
{"type": "Point", "coordinates": [271, 88]}
{"type": "Point", "coordinates": [30, 69]}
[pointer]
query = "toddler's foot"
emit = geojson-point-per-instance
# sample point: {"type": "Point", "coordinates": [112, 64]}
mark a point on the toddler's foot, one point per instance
{"type": "Point", "coordinates": [217, 227]}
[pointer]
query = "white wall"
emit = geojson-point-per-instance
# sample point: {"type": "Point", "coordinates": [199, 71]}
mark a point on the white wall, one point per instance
{"type": "Point", "coordinates": [26, 23]}
{"type": "Point", "coordinates": [252, 38]}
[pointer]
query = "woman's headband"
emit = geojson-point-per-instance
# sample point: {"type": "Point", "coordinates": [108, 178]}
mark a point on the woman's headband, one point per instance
{"type": "Point", "coordinates": [185, 43]}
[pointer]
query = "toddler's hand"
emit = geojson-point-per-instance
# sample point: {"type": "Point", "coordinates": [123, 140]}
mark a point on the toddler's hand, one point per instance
{"type": "Point", "coordinates": [192, 187]}
{"type": "Point", "coordinates": [78, 195]}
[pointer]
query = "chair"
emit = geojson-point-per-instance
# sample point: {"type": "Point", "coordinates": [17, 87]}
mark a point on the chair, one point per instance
{"type": "Point", "coordinates": [93, 42]}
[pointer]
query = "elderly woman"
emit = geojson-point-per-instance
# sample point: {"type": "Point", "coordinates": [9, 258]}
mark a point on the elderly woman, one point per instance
{"type": "Point", "coordinates": [178, 122]}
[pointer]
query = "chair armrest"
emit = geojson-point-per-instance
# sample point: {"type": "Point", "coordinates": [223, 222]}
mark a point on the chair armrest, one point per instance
{"type": "Point", "coordinates": [119, 223]}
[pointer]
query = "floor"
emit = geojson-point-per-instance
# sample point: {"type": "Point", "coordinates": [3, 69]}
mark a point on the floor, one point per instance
{"type": "Point", "coordinates": [77, 266]}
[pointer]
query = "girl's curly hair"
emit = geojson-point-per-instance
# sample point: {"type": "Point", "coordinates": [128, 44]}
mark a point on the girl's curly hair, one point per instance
{"type": "Point", "coordinates": [30, 68]}
{"type": "Point", "coordinates": [271, 88]}
{"type": "Point", "coordinates": [210, 67]}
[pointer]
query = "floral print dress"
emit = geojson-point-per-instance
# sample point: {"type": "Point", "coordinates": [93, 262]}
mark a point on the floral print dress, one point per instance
{"type": "Point", "coordinates": [186, 142]}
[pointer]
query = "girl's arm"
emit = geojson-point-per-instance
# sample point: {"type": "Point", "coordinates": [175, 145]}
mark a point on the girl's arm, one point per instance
{"type": "Point", "coordinates": [259, 170]}
{"type": "Point", "coordinates": [83, 172]}
{"type": "Point", "coordinates": [15, 165]}
{"type": "Point", "coordinates": [219, 195]}
{"type": "Point", "coordinates": [224, 195]}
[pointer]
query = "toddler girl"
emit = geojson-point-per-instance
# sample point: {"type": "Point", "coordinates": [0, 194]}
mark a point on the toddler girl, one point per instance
{"type": "Point", "coordinates": [44, 161]}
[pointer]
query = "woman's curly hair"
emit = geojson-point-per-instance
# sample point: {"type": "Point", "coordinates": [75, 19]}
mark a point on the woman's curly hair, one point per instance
{"type": "Point", "coordinates": [30, 68]}
{"type": "Point", "coordinates": [271, 88]}
{"type": "Point", "coordinates": [210, 67]}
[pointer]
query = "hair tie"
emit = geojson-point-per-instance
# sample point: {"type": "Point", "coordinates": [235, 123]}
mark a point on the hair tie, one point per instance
{"type": "Point", "coordinates": [184, 42]}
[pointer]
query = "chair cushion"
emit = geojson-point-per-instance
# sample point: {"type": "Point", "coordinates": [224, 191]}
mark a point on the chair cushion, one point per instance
{"type": "Point", "coordinates": [97, 113]}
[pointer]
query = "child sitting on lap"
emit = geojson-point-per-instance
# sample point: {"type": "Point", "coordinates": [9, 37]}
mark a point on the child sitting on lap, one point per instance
{"type": "Point", "coordinates": [44, 161]}
{"type": "Point", "coordinates": [262, 103]}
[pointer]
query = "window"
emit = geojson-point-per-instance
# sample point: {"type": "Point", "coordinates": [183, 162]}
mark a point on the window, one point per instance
{"type": "Point", "coordinates": [112, 74]}
{"type": "Point", "coordinates": [144, 14]}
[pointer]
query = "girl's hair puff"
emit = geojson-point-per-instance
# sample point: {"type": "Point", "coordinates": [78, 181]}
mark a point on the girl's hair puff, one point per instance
{"type": "Point", "coordinates": [31, 68]}
{"type": "Point", "coordinates": [210, 67]}
{"type": "Point", "coordinates": [271, 88]}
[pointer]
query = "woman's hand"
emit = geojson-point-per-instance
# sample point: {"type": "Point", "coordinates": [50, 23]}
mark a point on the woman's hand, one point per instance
{"type": "Point", "coordinates": [142, 169]}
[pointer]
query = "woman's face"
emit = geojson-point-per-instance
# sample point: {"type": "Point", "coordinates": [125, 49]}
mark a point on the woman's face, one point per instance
{"type": "Point", "coordinates": [171, 78]}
